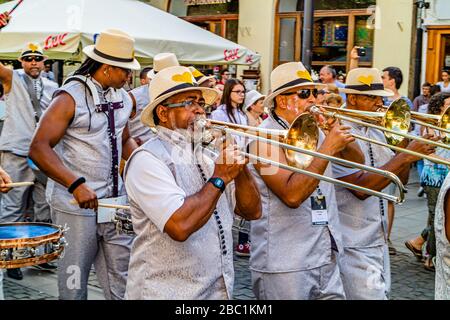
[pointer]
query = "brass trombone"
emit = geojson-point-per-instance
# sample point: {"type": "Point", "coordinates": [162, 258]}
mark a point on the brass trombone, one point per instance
{"type": "Point", "coordinates": [433, 121]}
{"type": "Point", "coordinates": [394, 123]}
{"type": "Point", "coordinates": [300, 143]}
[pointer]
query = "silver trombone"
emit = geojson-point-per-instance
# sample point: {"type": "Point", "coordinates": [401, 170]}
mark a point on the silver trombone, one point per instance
{"type": "Point", "coordinates": [300, 143]}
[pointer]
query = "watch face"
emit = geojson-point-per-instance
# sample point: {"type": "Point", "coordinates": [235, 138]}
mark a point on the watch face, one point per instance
{"type": "Point", "coordinates": [219, 183]}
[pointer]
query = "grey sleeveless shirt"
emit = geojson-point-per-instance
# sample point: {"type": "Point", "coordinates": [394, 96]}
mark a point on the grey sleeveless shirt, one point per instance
{"type": "Point", "coordinates": [85, 148]}
{"type": "Point", "coordinates": [442, 288]}
{"type": "Point", "coordinates": [20, 122]}
{"type": "Point", "coordinates": [284, 239]}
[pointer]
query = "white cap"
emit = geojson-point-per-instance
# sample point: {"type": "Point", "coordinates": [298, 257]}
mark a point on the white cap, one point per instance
{"type": "Point", "coordinates": [251, 97]}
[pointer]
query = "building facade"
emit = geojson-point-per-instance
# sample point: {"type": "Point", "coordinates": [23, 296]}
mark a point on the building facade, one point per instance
{"type": "Point", "coordinates": [273, 28]}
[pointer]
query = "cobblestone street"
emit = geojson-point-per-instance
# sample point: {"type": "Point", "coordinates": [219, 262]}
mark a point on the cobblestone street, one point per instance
{"type": "Point", "coordinates": [409, 278]}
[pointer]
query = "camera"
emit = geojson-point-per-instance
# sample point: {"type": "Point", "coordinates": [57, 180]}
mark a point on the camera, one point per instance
{"type": "Point", "coordinates": [361, 52]}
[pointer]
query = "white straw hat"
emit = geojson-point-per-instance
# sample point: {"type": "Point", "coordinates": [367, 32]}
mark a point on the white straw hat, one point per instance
{"type": "Point", "coordinates": [251, 97]}
{"type": "Point", "coordinates": [32, 49]}
{"type": "Point", "coordinates": [365, 81]}
{"type": "Point", "coordinates": [162, 61]}
{"type": "Point", "coordinates": [169, 82]}
{"type": "Point", "coordinates": [199, 77]}
{"type": "Point", "coordinates": [115, 48]}
{"type": "Point", "coordinates": [289, 76]}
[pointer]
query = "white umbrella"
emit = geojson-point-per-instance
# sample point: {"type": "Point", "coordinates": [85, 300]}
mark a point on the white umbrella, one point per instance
{"type": "Point", "coordinates": [63, 27]}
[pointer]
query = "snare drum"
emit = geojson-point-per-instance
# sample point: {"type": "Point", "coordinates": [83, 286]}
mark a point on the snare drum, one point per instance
{"type": "Point", "coordinates": [24, 244]}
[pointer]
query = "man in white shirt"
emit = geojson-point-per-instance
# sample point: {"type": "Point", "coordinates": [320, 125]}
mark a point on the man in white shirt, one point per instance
{"type": "Point", "coordinates": [175, 189]}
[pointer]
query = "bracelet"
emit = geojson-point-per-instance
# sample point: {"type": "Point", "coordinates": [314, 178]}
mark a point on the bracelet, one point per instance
{"type": "Point", "coordinates": [76, 184]}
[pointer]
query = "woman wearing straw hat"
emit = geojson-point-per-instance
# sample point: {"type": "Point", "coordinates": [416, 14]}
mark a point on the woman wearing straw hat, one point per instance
{"type": "Point", "coordinates": [182, 218]}
{"type": "Point", "coordinates": [294, 252]}
{"type": "Point", "coordinates": [365, 267]}
{"type": "Point", "coordinates": [86, 124]}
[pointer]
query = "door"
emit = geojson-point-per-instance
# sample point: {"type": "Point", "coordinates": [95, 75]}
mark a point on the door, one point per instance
{"type": "Point", "coordinates": [438, 52]}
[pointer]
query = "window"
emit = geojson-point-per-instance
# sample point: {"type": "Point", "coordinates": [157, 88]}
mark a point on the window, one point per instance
{"type": "Point", "coordinates": [339, 25]}
{"type": "Point", "coordinates": [221, 19]}
{"type": "Point", "coordinates": [297, 5]}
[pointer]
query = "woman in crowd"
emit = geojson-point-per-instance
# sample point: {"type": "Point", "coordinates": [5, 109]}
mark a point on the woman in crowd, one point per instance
{"type": "Point", "coordinates": [431, 179]}
{"type": "Point", "coordinates": [254, 107]}
{"type": "Point", "coordinates": [445, 83]}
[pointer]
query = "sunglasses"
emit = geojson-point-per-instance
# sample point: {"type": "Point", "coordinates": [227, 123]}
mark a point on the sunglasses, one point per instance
{"type": "Point", "coordinates": [31, 58]}
{"type": "Point", "coordinates": [304, 93]}
{"type": "Point", "coordinates": [240, 92]}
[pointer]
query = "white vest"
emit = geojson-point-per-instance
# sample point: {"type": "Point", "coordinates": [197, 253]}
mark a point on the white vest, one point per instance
{"type": "Point", "coordinates": [442, 287]}
{"type": "Point", "coordinates": [85, 147]}
{"type": "Point", "coordinates": [202, 266]}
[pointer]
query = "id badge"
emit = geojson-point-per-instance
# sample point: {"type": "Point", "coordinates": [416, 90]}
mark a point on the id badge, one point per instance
{"type": "Point", "coordinates": [319, 211]}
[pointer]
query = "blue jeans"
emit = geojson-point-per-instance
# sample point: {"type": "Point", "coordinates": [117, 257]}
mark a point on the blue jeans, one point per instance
{"type": "Point", "coordinates": [419, 167]}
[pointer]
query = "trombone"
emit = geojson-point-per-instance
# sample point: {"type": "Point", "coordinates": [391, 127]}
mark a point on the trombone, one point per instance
{"type": "Point", "coordinates": [433, 121]}
{"type": "Point", "coordinates": [394, 123]}
{"type": "Point", "coordinates": [300, 143]}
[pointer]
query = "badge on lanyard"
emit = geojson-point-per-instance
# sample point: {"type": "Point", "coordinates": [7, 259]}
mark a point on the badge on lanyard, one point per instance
{"type": "Point", "coordinates": [319, 210]}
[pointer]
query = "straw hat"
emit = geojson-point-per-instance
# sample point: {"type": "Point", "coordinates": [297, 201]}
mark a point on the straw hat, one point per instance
{"type": "Point", "coordinates": [169, 82]}
{"type": "Point", "coordinates": [162, 61]}
{"type": "Point", "coordinates": [115, 48]}
{"type": "Point", "coordinates": [32, 49]}
{"type": "Point", "coordinates": [289, 76]}
{"type": "Point", "coordinates": [199, 77]}
{"type": "Point", "coordinates": [365, 81]}
{"type": "Point", "coordinates": [251, 97]}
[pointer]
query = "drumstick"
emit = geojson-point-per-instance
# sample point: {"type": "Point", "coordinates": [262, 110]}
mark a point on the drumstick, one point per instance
{"type": "Point", "coordinates": [106, 205]}
{"type": "Point", "coordinates": [19, 184]}
{"type": "Point", "coordinates": [15, 7]}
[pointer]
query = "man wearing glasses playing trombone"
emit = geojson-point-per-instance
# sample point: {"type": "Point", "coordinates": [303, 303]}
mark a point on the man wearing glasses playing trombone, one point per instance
{"type": "Point", "coordinates": [178, 198]}
{"type": "Point", "coordinates": [296, 243]}
{"type": "Point", "coordinates": [365, 267]}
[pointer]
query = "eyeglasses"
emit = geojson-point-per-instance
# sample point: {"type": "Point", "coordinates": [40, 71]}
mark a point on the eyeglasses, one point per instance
{"type": "Point", "coordinates": [304, 93]}
{"type": "Point", "coordinates": [31, 58]}
{"type": "Point", "coordinates": [189, 104]}
{"type": "Point", "coordinates": [240, 92]}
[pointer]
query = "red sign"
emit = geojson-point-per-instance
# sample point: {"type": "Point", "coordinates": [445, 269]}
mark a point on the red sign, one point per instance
{"type": "Point", "coordinates": [54, 41]}
{"type": "Point", "coordinates": [230, 55]}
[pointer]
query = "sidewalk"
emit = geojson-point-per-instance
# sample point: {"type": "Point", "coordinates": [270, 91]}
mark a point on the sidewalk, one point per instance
{"type": "Point", "coordinates": [409, 279]}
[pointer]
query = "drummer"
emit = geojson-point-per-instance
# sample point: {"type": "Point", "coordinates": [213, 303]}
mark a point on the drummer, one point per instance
{"type": "Point", "coordinates": [86, 123]}
{"type": "Point", "coordinates": [27, 95]}
{"type": "Point", "coordinates": [4, 179]}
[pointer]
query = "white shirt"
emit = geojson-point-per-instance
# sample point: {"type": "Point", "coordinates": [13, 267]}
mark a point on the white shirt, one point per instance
{"type": "Point", "coordinates": [157, 192]}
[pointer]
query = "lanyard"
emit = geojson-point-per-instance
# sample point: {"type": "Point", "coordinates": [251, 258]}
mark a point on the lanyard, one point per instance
{"type": "Point", "coordinates": [284, 126]}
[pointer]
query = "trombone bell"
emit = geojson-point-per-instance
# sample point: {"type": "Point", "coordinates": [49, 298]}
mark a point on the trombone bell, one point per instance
{"type": "Point", "coordinates": [303, 133]}
{"type": "Point", "coordinates": [397, 118]}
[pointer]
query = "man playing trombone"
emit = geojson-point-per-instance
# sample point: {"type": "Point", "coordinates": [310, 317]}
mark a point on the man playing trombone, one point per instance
{"type": "Point", "coordinates": [365, 265]}
{"type": "Point", "coordinates": [295, 244]}
{"type": "Point", "coordinates": [181, 216]}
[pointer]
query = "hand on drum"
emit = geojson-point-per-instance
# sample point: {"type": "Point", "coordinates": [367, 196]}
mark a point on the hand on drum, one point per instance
{"type": "Point", "coordinates": [86, 197]}
{"type": "Point", "coordinates": [4, 179]}
{"type": "Point", "coordinates": [230, 162]}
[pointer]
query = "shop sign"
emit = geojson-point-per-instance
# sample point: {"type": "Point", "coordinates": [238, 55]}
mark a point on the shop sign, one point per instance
{"type": "Point", "coordinates": [54, 41]}
{"type": "Point", "coordinates": [231, 55]}
{"type": "Point", "coordinates": [201, 2]}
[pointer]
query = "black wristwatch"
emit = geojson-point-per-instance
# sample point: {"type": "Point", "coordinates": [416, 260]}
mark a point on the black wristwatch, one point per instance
{"type": "Point", "coordinates": [218, 183]}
